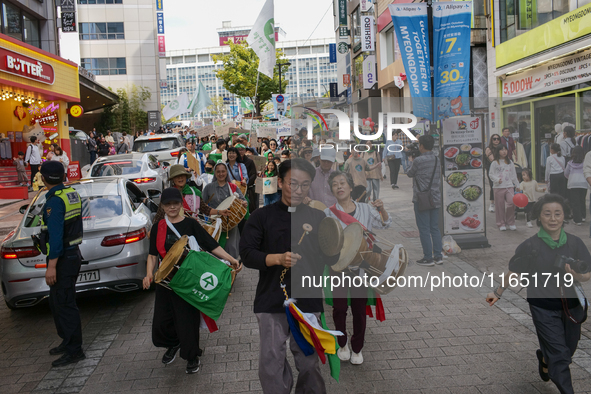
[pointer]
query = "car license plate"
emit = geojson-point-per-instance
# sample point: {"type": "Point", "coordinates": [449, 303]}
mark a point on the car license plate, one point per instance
{"type": "Point", "coordinates": [88, 276]}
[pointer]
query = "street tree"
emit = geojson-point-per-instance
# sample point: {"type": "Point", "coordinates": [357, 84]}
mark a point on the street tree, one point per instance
{"type": "Point", "coordinates": [128, 115]}
{"type": "Point", "coordinates": [239, 74]}
{"type": "Point", "coordinates": [217, 109]}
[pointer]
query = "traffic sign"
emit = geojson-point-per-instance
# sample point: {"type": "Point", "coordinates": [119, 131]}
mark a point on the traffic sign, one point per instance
{"type": "Point", "coordinates": [280, 98]}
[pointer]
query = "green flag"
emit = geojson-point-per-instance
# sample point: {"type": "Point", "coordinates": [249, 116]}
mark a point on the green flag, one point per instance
{"type": "Point", "coordinates": [245, 104]}
{"type": "Point", "coordinates": [200, 101]}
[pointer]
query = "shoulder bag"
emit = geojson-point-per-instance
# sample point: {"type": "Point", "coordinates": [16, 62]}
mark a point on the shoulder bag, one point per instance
{"type": "Point", "coordinates": [425, 199]}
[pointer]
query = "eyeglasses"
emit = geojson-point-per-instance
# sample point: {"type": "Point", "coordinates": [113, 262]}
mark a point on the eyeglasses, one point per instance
{"type": "Point", "coordinates": [496, 139]}
{"type": "Point", "coordinates": [304, 186]}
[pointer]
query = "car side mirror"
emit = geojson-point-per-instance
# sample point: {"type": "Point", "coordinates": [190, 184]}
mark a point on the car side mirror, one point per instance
{"type": "Point", "coordinates": [152, 193]}
{"type": "Point", "coordinates": [23, 209]}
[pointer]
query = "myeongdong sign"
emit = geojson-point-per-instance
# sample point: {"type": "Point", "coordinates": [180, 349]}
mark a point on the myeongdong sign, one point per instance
{"type": "Point", "coordinates": [558, 74]}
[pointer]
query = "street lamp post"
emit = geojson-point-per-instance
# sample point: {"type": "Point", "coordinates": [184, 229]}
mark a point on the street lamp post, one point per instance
{"type": "Point", "coordinates": [279, 66]}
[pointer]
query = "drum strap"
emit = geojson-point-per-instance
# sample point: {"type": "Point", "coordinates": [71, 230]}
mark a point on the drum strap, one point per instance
{"type": "Point", "coordinates": [192, 241]}
{"type": "Point", "coordinates": [161, 238]}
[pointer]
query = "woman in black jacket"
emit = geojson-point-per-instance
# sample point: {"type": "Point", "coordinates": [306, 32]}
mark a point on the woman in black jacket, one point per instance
{"type": "Point", "coordinates": [554, 301]}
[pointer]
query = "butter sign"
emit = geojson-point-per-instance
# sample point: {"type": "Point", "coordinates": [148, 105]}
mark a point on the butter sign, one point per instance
{"type": "Point", "coordinates": [26, 67]}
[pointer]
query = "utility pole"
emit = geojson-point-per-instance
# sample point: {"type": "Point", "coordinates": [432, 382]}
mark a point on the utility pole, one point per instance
{"type": "Point", "coordinates": [279, 65]}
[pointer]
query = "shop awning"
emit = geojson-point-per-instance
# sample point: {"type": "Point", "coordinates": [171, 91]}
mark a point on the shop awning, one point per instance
{"type": "Point", "coordinates": [94, 96]}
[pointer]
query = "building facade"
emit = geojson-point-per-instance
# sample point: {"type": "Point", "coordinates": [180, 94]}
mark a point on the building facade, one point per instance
{"type": "Point", "coordinates": [309, 75]}
{"type": "Point", "coordinates": [118, 43]}
{"type": "Point", "coordinates": [541, 72]}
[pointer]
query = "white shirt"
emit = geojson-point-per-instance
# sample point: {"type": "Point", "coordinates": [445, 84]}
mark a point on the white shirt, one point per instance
{"type": "Point", "coordinates": [566, 146]}
{"type": "Point", "coordinates": [32, 155]}
{"type": "Point", "coordinates": [63, 159]}
{"type": "Point", "coordinates": [554, 165]}
{"type": "Point", "coordinates": [501, 171]}
{"type": "Point", "coordinates": [365, 214]}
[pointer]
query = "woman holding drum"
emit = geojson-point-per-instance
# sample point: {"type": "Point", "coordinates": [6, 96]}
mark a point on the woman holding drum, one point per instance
{"type": "Point", "coordinates": [221, 190]}
{"type": "Point", "coordinates": [192, 202]}
{"type": "Point", "coordinates": [176, 322]}
{"type": "Point", "coordinates": [369, 216]}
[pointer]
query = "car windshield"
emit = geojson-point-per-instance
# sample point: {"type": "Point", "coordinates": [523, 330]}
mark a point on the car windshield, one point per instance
{"type": "Point", "coordinates": [99, 201]}
{"type": "Point", "coordinates": [155, 144]}
{"type": "Point", "coordinates": [116, 168]}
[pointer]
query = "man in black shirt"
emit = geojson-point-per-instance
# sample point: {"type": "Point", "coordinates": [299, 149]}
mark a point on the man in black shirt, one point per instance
{"type": "Point", "coordinates": [176, 322]}
{"type": "Point", "coordinates": [266, 245]}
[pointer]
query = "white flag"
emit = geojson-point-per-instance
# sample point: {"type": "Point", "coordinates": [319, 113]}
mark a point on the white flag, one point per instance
{"type": "Point", "coordinates": [176, 107]}
{"type": "Point", "coordinates": [262, 39]}
{"type": "Point", "coordinates": [200, 101]}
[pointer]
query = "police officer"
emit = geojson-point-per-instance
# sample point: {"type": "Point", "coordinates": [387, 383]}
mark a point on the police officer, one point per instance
{"type": "Point", "coordinates": [62, 224]}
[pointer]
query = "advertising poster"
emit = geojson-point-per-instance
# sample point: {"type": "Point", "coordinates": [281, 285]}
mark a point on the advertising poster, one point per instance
{"type": "Point", "coordinates": [463, 176]}
{"type": "Point", "coordinates": [412, 32]}
{"type": "Point", "coordinates": [451, 52]}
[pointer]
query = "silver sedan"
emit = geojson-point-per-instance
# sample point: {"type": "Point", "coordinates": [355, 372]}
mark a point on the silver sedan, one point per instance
{"type": "Point", "coordinates": [143, 169]}
{"type": "Point", "coordinates": [114, 248]}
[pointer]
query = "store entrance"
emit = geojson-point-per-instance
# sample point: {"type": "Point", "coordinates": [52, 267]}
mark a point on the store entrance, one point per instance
{"type": "Point", "coordinates": [549, 113]}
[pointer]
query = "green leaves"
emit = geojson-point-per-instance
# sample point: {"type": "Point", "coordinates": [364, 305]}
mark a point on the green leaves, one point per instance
{"type": "Point", "coordinates": [239, 74]}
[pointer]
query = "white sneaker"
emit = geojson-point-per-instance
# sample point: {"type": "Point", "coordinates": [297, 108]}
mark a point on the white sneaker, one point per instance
{"type": "Point", "coordinates": [528, 224]}
{"type": "Point", "coordinates": [344, 352]}
{"type": "Point", "coordinates": [491, 208]}
{"type": "Point", "coordinates": [357, 358]}
{"type": "Point", "coordinates": [512, 228]}
{"type": "Point", "coordinates": [503, 228]}
{"type": "Point", "coordinates": [583, 219]}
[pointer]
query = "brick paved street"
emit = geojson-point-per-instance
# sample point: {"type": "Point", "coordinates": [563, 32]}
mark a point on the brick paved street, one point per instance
{"type": "Point", "coordinates": [447, 341]}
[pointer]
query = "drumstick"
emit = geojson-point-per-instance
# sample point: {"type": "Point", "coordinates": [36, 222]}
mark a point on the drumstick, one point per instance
{"type": "Point", "coordinates": [361, 196]}
{"type": "Point", "coordinates": [307, 229]}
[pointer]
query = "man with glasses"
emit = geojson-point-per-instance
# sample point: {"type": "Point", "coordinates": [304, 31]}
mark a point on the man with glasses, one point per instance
{"type": "Point", "coordinates": [508, 142]}
{"type": "Point", "coordinates": [266, 245]}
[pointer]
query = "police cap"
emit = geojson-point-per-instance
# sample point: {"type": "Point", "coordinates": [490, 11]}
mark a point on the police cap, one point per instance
{"type": "Point", "coordinates": [53, 172]}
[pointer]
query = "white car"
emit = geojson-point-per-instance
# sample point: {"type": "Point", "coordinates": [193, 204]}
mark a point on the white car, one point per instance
{"type": "Point", "coordinates": [165, 147]}
{"type": "Point", "coordinates": [143, 169]}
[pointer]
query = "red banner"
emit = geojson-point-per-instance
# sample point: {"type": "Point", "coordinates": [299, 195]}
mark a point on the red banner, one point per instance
{"type": "Point", "coordinates": [26, 67]}
{"type": "Point", "coordinates": [74, 170]}
{"type": "Point", "coordinates": [161, 46]}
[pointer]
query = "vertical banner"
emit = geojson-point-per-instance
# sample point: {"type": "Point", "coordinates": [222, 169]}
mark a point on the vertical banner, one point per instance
{"type": "Point", "coordinates": [528, 14]}
{"type": "Point", "coordinates": [342, 12]}
{"type": "Point", "coordinates": [463, 187]}
{"type": "Point", "coordinates": [161, 46]}
{"type": "Point", "coordinates": [412, 32]}
{"type": "Point", "coordinates": [159, 5]}
{"type": "Point", "coordinates": [369, 72]}
{"type": "Point", "coordinates": [451, 52]}
{"type": "Point", "coordinates": [332, 52]}
{"type": "Point", "coordinates": [160, 21]}
{"type": "Point", "coordinates": [368, 35]}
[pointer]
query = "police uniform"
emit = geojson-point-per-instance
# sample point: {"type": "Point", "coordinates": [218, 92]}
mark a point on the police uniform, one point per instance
{"type": "Point", "coordinates": [62, 221]}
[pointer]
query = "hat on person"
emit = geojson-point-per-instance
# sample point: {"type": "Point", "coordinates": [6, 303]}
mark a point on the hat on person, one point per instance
{"type": "Point", "coordinates": [171, 194]}
{"type": "Point", "coordinates": [328, 154]}
{"type": "Point", "coordinates": [315, 152]}
{"type": "Point", "coordinates": [178, 169]}
{"type": "Point", "coordinates": [307, 149]}
{"type": "Point", "coordinates": [53, 171]}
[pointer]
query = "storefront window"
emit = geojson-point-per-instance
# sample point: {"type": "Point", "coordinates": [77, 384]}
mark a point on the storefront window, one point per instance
{"type": "Point", "coordinates": [12, 22]}
{"type": "Point", "coordinates": [356, 25]}
{"type": "Point", "coordinates": [518, 119]}
{"type": "Point", "coordinates": [391, 47]}
{"type": "Point", "coordinates": [585, 112]}
{"type": "Point", "coordinates": [549, 113]}
{"type": "Point", "coordinates": [31, 31]}
{"type": "Point", "coordinates": [520, 16]}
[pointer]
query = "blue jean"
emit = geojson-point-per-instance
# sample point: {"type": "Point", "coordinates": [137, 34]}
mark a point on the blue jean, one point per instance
{"type": "Point", "coordinates": [405, 162]}
{"type": "Point", "coordinates": [373, 187]}
{"type": "Point", "coordinates": [271, 198]}
{"type": "Point", "coordinates": [428, 224]}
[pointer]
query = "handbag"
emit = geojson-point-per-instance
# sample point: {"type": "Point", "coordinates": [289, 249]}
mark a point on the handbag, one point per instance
{"type": "Point", "coordinates": [425, 199]}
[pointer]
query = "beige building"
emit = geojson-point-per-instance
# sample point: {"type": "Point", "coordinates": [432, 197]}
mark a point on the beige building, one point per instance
{"type": "Point", "coordinates": [118, 44]}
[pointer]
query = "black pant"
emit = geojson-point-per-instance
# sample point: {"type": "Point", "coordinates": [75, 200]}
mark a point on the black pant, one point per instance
{"type": "Point", "coordinates": [558, 185]}
{"type": "Point", "coordinates": [577, 198]}
{"type": "Point", "coordinates": [175, 321]}
{"type": "Point", "coordinates": [394, 166]}
{"type": "Point", "coordinates": [62, 301]}
{"type": "Point", "coordinates": [34, 171]}
{"type": "Point", "coordinates": [528, 209]}
{"type": "Point", "coordinates": [558, 338]}
{"type": "Point", "coordinates": [253, 199]}
{"type": "Point", "coordinates": [490, 182]}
